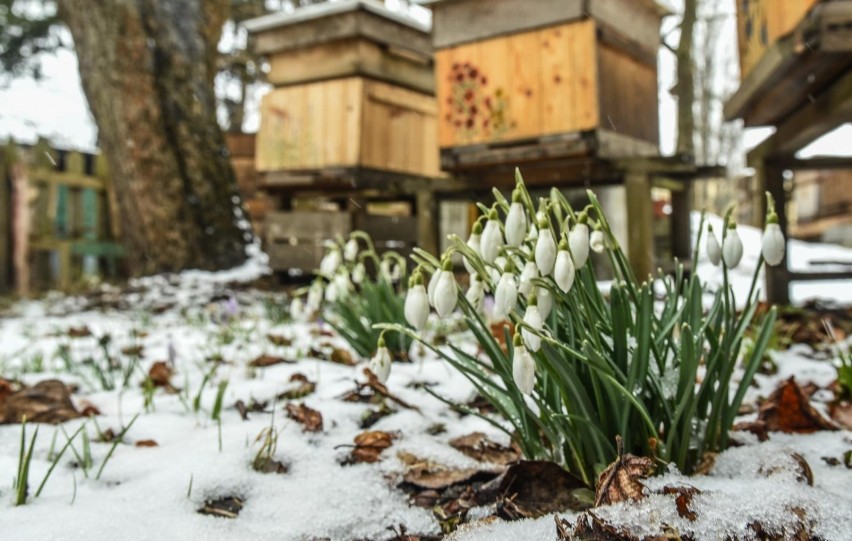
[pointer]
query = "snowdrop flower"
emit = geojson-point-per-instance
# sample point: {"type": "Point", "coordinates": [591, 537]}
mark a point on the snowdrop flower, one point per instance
{"type": "Point", "coordinates": [446, 291]}
{"type": "Point", "coordinates": [359, 273]}
{"type": "Point", "coordinates": [506, 295]}
{"type": "Point", "coordinates": [380, 364]}
{"type": "Point", "coordinates": [545, 301]}
{"type": "Point", "coordinates": [385, 269]}
{"type": "Point", "coordinates": [433, 283]}
{"type": "Point", "coordinates": [473, 242]}
{"type": "Point", "coordinates": [476, 293]}
{"type": "Point", "coordinates": [516, 221]}
{"type": "Point", "coordinates": [331, 292]}
{"type": "Point", "coordinates": [714, 251]}
{"type": "Point", "coordinates": [492, 238]}
{"type": "Point", "coordinates": [532, 317]}
{"type": "Point", "coordinates": [563, 271]}
{"type": "Point", "coordinates": [773, 245]}
{"type": "Point", "coordinates": [596, 241]}
{"type": "Point", "coordinates": [350, 250]}
{"type": "Point", "coordinates": [330, 262]}
{"type": "Point", "coordinates": [545, 249]}
{"type": "Point", "coordinates": [297, 310]}
{"type": "Point", "coordinates": [416, 307]}
{"type": "Point", "coordinates": [315, 296]}
{"type": "Point", "coordinates": [525, 285]}
{"type": "Point", "coordinates": [732, 249]}
{"type": "Point", "coordinates": [341, 282]}
{"type": "Point", "coordinates": [578, 241]}
{"type": "Point", "coordinates": [523, 367]}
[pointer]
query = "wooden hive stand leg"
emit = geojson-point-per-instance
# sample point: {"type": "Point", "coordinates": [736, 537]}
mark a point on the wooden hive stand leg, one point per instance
{"type": "Point", "coordinates": [640, 215]}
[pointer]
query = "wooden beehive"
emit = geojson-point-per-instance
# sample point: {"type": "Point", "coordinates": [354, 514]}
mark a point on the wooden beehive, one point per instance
{"type": "Point", "coordinates": [354, 88]}
{"type": "Point", "coordinates": [761, 23]}
{"type": "Point", "coordinates": [513, 71]}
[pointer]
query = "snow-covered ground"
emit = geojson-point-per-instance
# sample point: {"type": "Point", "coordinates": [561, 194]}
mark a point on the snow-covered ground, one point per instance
{"type": "Point", "coordinates": [155, 492]}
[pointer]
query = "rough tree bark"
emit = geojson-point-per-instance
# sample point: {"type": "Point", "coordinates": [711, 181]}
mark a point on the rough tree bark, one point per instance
{"type": "Point", "coordinates": [147, 68]}
{"type": "Point", "coordinates": [686, 81]}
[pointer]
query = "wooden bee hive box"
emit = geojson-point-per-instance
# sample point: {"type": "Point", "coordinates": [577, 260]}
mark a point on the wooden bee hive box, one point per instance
{"type": "Point", "coordinates": [514, 72]}
{"type": "Point", "coordinates": [354, 88]}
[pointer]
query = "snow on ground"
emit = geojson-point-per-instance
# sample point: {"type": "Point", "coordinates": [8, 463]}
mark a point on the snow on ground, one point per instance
{"type": "Point", "coordinates": [154, 492]}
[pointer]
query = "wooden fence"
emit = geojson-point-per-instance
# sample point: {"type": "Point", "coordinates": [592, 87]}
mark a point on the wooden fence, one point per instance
{"type": "Point", "coordinates": [58, 224]}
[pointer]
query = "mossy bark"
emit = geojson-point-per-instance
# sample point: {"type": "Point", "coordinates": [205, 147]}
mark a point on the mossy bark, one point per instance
{"type": "Point", "coordinates": [147, 68]}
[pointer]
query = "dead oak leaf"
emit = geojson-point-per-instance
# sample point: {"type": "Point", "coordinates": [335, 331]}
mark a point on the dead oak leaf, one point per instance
{"type": "Point", "coordinates": [310, 419]}
{"type": "Point", "coordinates": [48, 401]}
{"type": "Point", "coordinates": [683, 500]}
{"type": "Point", "coordinates": [160, 374]}
{"type": "Point", "coordinates": [621, 480]}
{"type": "Point", "coordinates": [369, 446]}
{"type": "Point", "coordinates": [79, 332]}
{"type": "Point", "coordinates": [300, 387]}
{"type": "Point", "coordinates": [477, 446]}
{"type": "Point", "coordinates": [425, 474]}
{"type": "Point", "coordinates": [264, 361]}
{"type": "Point", "coordinates": [788, 410]}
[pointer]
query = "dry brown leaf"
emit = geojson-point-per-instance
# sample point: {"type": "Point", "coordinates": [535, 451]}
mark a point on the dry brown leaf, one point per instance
{"type": "Point", "coordinates": [621, 480]}
{"type": "Point", "coordinates": [133, 351]}
{"type": "Point", "coordinates": [342, 356]}
{"type": "Point", "coordinates": [841, 413]}
{"type": "Point", "coordinates": [160, 374]}
{"type": "Point", "coordinates": [146, 443]}
{"type": "Point", "coordinates": [683, 500]}
{"type": "Point", "coordinates": [79, 332]}
{"type": "Point", "coordinates": [369, 446]}
{"type": "Point", "coordinates": [48, 401]}
{"type": "Point", "coordinates": [310, 419]}
{"type": "Point", "coordinates": [264, 361]}
{"type": "Point", "coordinates": [479, 447]}
{"type": "Point", "coordinates": [379, 388]}
{"type": "Point", "coordinates": [788, 410]}
{"type": "Point", "coordinates": [279, 340]}
{"type": "Point", "coordinates": [533, 488]}
{"type": "Point", "coordinates": [300, 387]}
{"type": "Point", "coordinates": [227, 507]}
{"type": "Point", "coordinates": [429, 475]}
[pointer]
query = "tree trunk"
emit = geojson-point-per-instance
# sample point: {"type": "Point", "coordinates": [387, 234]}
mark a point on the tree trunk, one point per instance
{"type": "Point", "coordinates": [147, 68]}
{"type": "Point", "coordinates": [686, 81]}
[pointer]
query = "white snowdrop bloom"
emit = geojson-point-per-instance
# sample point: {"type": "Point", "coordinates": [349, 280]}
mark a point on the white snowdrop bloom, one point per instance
{"type": "Point", "coordinates": [523, 369]}
{"type": "Point", "coordinates": [476, 294]}
{"type": "Point", "coordinates": [446, 294]}
{"type": "Point", "coordinates": [545, 251]}
{"type": "Point", "coordinates": [350, 250]}
{"type": "Point", "coordinates": [433, 283]}
{"type": "Point", "coordinates": [732, 249]}
{"type": "Point", "coordinates": [342, 283]}
{"type": "Point", "coordinates": [532, 235]}
{"type": "Point", "coordinates": [545, 301]}
{"type": "Point", "coordinates": [525, 284]}
{"type": "Point", "coordinates": [297, 309]}
{"type": "Point", "coordinates": [385, 270]}
{"type": "Point", "coordinates": [500, 263]}
{"type": "Point", "coordinates": [331, 292]}
{"type": "Point", "coordinates": [330, 262]}
{"type": "Point", "coordinates": [315, 296]}
{"type": "Point", "coordinates": [416, 306]}
{"type": "Point", "coordinates": [395, 272]}
{"type": "Point", "coordinates": [516, 224]}
{"type": "Point", "coordinates": [359, 273]}
{"type": "Point", "coordinates": [563, 271]}
{"type": "Point", "coordinates": [714, 251]}
{"type": "Point", "coordinates": [506, 295]}
{"type": "Point", "coordinates": [578, 241]}
{"type": "Point", "coordinates": [380, 364]}
{"type": "Point", "coordinates": [473, 242]}
{"type": "Point", "coordinates": [532, 317]}
{"type": "Point", "coordinates": [773, 244]}
{"type": "Point", "coordinates": [491, 240]}
{"type": "Point", "coordinates": [596, 241]}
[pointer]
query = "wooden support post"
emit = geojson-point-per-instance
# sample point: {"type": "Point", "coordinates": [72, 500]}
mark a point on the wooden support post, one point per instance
{"type": "Point", "coordinates": [20, 220]}
{"type": "Point", "coordinates": [681, 222]}
{"type": "Point", "coordinates": [5, 226]}
{"type": "Point", "coordinates": [771, 178]}
{"type": "Point", "coordinates": [640, 214]}
{"type": "Point", "coordinates": [427, 221]}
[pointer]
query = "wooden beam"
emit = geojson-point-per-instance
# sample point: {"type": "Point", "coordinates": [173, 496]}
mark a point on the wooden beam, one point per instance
{"type": "Point", "coordinates": [5, 222]}
{"type": "Point", "coordinates": [681, 222]}
{"type": "Point", "coordinates": [427, 221]}
{"type": "Point", "coordinates": [66, 178]}
{"type": "Point", "coordinates": [817, 163]}
{"type": "Point", "coordinates": [640, 235]}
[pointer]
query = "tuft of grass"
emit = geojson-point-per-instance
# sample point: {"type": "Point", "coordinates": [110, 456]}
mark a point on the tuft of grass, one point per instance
{"type": "Point", "coordinates": [25, 457]}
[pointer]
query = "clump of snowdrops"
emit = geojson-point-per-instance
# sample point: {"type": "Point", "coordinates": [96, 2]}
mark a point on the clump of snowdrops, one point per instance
{"type": "Point", "coordinates": [355, 288]}
{"type": "Point", "coordinates": [648, 361]}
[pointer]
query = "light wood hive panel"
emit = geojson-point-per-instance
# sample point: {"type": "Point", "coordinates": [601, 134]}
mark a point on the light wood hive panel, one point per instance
{"type": "Point", "coordinates": [761, 23]}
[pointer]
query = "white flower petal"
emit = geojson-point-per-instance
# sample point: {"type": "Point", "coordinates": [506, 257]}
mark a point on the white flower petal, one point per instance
{"type": "Point", "coordinates": [578, 241]}
{"type": "Point", "coordinates": [416, 307]}
{"type": "Point", "coordinates": [380, 364]}
{"type": "Point", "coordinates": [774, 244]}
{"type": "Point", "coordinates": [564, 271]}
{"type": "Point", "coordinates": [523, 370]}
{"type": "Point", "coordinates": [506, 295]}
{"type": "Point", "coordinates": [545, 251]}
{"type": "Point", "coordinates": [446, 294]}
{"type": "Point", "coordinates": [732, 250]}
{"type": "Point", "coordinates": [516, 224]}
{"type": "Point", "coordinates": [533, 318]}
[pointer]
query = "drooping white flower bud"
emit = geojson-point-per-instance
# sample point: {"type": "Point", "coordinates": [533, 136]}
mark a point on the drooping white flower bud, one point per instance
{"type": "Point", "coordinates": [596, 241]}
{"type": "Point", "coordinates": [578, 241]}
{"type": "Point", "coordinates": [545, 301]}
{"type": "Point", "coordinates": [350, 250]}
{"type": "Point", "coordinates": [476, 293]}
{"type": "Point", "coordinates": [516, 221]}
{"type": "Point", "coordinates": [297, 309]}
{"type": "Point", "coordinates": [385, 270]}
{"type": "Point", "coordinates": [473, 242]}
{"type": "Point", "coordinates": [416, 307]}
{"type": "Point", "coordinates": [315, 296]}
{"type": "Point", "coordinates": [523, 367]}
{"type": "Point", "coordinates": [714, 251]}
{"type": "Point", "coordinates": [774, 244]}
{"type": "Point", "coordinates": [341, 282]}
{"type": "Point", "coordinates": [380, 364]}
{"type": "Point", "coordinates": [532, 317]}
{"type": "Point", "coordinates": [492, 238]}
{"type": "Point", "coordinates": [563, 272]}
{"type": "Point", "coordinates": [545, 249]}
{"type": "Point", "coordinates": [446, 291]}
{"type": "Point", "coordinates": [331, 292]}
{"type": "Point", "coordinates": [433, 283]}
{"type": "Point", "coordinates": [330, 262]}
{"type": "Point", "coordinates": [527, 275]}
{"type": "Point", "coordinates": [506, 295]}
{"type": "Point", "coordinates": [359, 273]}
{"type": "Point", "coordinates": [732, 249]}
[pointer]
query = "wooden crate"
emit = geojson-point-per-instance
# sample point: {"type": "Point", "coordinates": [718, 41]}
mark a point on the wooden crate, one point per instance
{"type": "Point", "coordinates": [761, 23]}
{"type": "Point", "coordinates": [513, 71]}
{"type": "Point", "coordinates": [349, 122]}
{"type": "Point", "coordinates": [294, 240]}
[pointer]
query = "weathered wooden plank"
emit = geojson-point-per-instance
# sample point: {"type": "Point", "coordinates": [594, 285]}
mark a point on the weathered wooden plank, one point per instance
{"type": "Point", "coordinates": [640, 234]}
{"type": "Point", "coordinates": [762, 23]}
{"type": "Point", "coordinates": [5, 220]}
{"type": "Point", "coordinates": [637, 22]}
{"type": "Point", "coordinates": [72, 180]}
{"type": "Point", "coordinates": [283, 226]}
